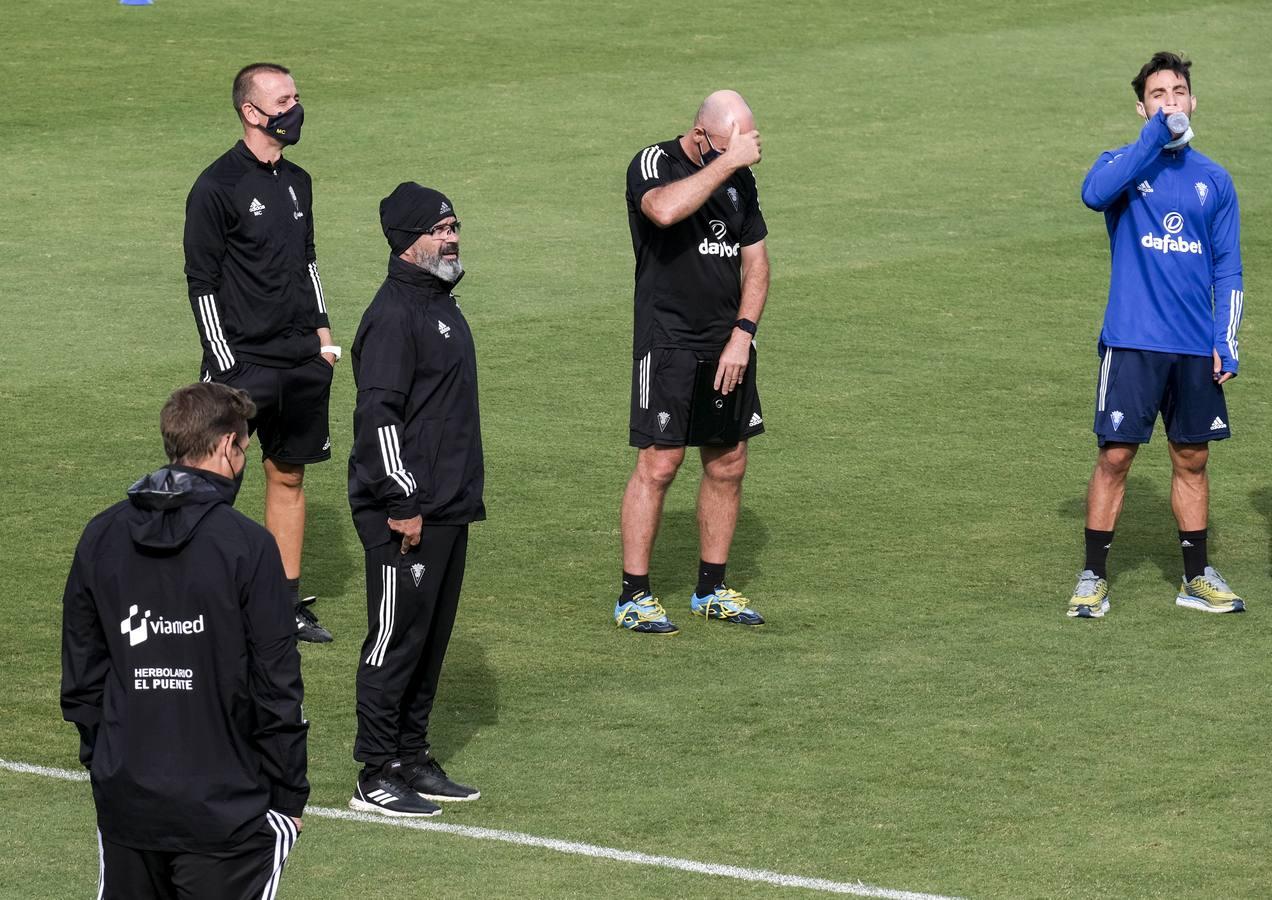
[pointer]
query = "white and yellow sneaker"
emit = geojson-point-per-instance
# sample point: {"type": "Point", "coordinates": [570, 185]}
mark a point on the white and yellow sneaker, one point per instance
{"type": "Point", "coordinates": [1090, 598]}
{"type": "Point", "coordinates": [1208, 592]}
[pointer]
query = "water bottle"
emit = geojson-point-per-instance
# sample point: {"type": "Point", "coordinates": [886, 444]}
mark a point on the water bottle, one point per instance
{"type": "Point", "coordinates": [1177, 123]}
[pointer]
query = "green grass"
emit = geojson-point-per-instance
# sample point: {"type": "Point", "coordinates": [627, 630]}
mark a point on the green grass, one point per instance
{"type": "Point", "coordinates": [919, 713]}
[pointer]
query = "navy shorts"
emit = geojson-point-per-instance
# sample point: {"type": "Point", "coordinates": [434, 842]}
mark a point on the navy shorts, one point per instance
{"type": "Point", "coordinates": [291, 407]}
{"type": "Point", "coordinates": [1135, 385]}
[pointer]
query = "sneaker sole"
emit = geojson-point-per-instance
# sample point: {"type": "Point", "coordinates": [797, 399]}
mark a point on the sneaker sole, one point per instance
{"type": "Point", "coordinates": [364, 806]}
{"type": "Point", "coordinates": [1092, 612]}
{"type": "Point", "coordinates": [1189, 602]}
{"type": "Point", "coordinates": [638, 631]}
{"type": "Point", "coordinates": [732, 619]}
{"type": "Point", "coordinates": [438, 798]}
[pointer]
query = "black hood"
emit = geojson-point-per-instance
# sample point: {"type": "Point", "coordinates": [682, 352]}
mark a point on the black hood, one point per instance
{"type": "Point", "coordinates": [169, 504]}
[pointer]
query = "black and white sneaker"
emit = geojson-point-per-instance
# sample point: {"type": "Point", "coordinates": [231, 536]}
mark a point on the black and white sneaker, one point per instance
{"type": "Point", "coordinates": [307, 625]}
{"type": "Point", "coordinates": [387, 794]}
{"type": "Point", "coordinates": [429, 780]}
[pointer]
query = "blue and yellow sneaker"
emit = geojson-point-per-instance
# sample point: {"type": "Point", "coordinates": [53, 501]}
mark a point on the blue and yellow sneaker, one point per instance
{"type": "Point", "coordinates": [726, 604]}
{"type": "Point", "coordinates": [1208, 592]}
{"type": "Point", "coordinates": [1090, 598]}
{"type": "Point", "coordinates": [643, 614]}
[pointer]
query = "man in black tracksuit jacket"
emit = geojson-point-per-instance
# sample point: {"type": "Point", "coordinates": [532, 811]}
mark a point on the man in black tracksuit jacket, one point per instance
{"type": "Point", "coordinates": [180, 670]}
{"type": "Point", "coordinates": [253, 281]}
{"type": "Point", "coordinates": [415, 483]}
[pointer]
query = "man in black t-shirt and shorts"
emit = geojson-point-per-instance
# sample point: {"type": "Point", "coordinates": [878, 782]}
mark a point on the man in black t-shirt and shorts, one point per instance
{"type": "Point", "coordinates": [702, 276]}
{"type": "Point", "coordinates": [258, 301]}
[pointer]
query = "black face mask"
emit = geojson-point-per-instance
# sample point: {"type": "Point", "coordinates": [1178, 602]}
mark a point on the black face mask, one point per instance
{"type": "Point", "coordinates": [238, 476]}
{"type": "Point", "coordinates": [711, 153]}
{"type": "Point", "coordinates": [284, 127]}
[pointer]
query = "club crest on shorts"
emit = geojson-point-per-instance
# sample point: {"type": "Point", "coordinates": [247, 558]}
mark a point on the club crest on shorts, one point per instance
{"type": "Point", "coordinates": [663, 419]}
{"type": "Point", "coordinates": [417, 572]}
{"type": "Point", "coordinates": [1116, 417]}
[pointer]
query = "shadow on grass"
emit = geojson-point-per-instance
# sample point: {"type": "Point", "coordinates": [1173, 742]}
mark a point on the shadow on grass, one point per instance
{"type": "Point", "coordinates": [1146, 531]}
{"type": "Point", "coordinates": [675, 559]}
{"type": "Point", "coordinates": [467, 697]}
{"type": "Point", "coordinates": [330, 562]}
{"type": "Point", "coordinates": [1261, 499]}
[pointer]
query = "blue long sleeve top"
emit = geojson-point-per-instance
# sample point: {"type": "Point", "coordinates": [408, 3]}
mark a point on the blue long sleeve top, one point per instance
{"type": "Point", "coordinates": [1174, 233]}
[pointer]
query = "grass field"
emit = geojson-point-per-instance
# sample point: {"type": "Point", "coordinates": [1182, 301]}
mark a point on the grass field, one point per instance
{"type": "Point", "coordinates": [919, 714]}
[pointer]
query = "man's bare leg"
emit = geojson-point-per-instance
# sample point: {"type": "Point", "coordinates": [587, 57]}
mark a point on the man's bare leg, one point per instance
{"type": "Point", "coordinates": [1107, 488]}
{"type": "Point", "coordinates": [719, 499]}
{"type": "Point", "coordinates": [285, 511]}
{"type": "Point", "coordinates": [1105, 493]}
{"type": "Point", "coordinates": [656, 469]}
{"type": "Point", "coordinates": [1190, 485]}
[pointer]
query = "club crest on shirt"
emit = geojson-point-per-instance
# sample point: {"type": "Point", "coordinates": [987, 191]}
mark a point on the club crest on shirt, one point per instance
{"type": "Point", "coordinates": [733, 196]}
{"type": "Point", "coordinates": [1202, 190]}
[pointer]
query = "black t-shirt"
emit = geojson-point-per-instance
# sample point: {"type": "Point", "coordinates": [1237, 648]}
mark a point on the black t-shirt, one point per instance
{"type": "Point", "coordinates": [689, 276]}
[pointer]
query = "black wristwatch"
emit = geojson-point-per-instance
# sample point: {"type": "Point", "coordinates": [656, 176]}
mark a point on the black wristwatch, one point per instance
{"type": "Point", "coordinates": [746, 325]}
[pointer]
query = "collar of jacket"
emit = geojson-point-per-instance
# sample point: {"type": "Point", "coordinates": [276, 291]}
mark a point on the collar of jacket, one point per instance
{"type": "Point", "coordinates": [241, 149]}
{"type": "Point", "coordinates": [427, 282]}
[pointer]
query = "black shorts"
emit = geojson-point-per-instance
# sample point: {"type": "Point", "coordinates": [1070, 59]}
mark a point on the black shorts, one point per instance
{"type": "Point", "coordinates": [291, 422]}
{"type": "Point", "coordinates": [248, 871]}
{"type": "Point", "coordinates": [1135, 385]}
{"type": "Point", "coordinates": [662, 391]}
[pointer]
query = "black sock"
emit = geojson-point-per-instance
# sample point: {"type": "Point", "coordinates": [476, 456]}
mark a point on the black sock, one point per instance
{"type": "Point", "coordinates": [1097, 551]}
{"type": "Point", "coordinates": [710, 577]}
{"type": "Point", "coordinates": [633, 585]}
{"type": "Point", "coordinates": [1193, 543]}
{"type": "Point", "coordinates": [293, 590]}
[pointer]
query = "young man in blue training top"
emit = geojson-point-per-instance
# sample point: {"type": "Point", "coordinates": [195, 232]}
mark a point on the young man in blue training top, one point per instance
{"type": "Point", "coordinates": [1169, 340]}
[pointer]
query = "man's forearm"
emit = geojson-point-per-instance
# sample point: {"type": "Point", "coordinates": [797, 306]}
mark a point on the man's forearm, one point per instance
{"type": "Point", "coordinates": [675, 202]}
{"type": "Point", "coordinates": [755, 285]}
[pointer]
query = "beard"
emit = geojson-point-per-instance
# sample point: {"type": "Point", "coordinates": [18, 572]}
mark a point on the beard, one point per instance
{"type": "Point", "coordinates": [447, 270]}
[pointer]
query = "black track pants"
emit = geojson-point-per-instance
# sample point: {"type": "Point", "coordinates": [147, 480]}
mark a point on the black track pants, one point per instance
{"type": "Point", "coordinates": [411, 603]}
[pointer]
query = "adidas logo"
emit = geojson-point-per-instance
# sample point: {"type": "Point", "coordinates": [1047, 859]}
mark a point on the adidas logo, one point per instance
{"type": "Point", "coordinates": [443, 329]}
{"type": "Point", "coordinates": [256, 208]}
{"type": "Point", "coordinates": [382, 797]}
{"type": "Point", "coordinates": [445, 208]}
{"type": "Point", "coordinates": [755, 420]}
{"type": "Point", "coordinates": [1144, 187]}
{"type": "Point", "coordinates": [1217, 424]}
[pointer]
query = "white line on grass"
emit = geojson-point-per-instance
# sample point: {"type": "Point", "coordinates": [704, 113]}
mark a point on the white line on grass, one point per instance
{"type": "Point", "coordinates": [856, 889]}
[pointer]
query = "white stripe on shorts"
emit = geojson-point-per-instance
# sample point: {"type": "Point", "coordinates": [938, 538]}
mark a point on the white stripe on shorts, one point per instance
{"type": "Point", "coordinates": [642, 399]}
{"type": "Point", "coordinates": [1104, 376]}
